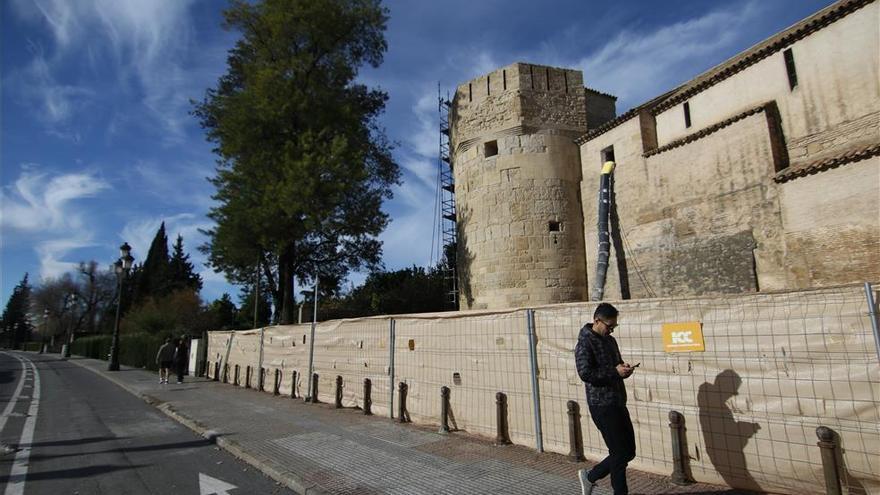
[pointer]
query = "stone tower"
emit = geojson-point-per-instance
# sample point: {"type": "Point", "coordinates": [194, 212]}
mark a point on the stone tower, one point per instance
{"type": "Point", "coordinates": [517, 185]}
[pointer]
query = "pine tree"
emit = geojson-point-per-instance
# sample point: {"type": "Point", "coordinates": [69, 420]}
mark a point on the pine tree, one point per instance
{"type": "Point", "coordinates": [152, 280]}
{"type": "Point", "coordinates": [15, 324]}
{"type": "Point", "coordinates": [182, 274]}
{"type": "Point", "coordinates": [224, 312]}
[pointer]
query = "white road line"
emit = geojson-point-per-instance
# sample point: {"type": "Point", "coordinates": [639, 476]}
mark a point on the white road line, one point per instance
{"type": "Point", "coordinates": [18, 473]}
{"type": "Point", "coordinates": [12, 401]}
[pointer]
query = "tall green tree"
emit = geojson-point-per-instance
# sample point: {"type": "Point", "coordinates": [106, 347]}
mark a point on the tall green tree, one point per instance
{"type": "Point", "coordinates": [223, 313]}
{"type": "Point", "coordinates": [153, 276]}
{"type": "Point", "coordinates": [15, 323]}
{"type": "Point", "coordinates": [304, 165]}
{"type": "Point", "coordinates": [246, 308]}
{"type": "Point", "coordinates": [181, 272]}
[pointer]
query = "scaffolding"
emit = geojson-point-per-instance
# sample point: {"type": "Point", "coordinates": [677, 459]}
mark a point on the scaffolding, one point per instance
{"type": "Point", "coordinates": [447, 203]}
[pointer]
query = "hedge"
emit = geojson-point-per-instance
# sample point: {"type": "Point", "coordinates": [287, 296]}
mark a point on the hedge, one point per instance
{"type": "Point", "coordinates": [135, 349]}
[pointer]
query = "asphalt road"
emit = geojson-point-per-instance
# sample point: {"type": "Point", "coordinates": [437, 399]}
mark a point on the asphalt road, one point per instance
{"type": "Point", "coordinates": [77, 433]}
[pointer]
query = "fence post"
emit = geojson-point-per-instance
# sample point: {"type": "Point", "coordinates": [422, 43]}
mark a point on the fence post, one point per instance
{"type": "Point", "coordinates": [338, 402]}
{"type": "Point", "coordinates": [676, 427]}
{"type": "Point", "coordinates": [533, 360]}
{"type": "Point", "coordinates": [311, 392]}
{"type": "Point", "coordinates": [391, 337]}
{"type": "Point", "coordinates": [575, 437]}
{"type": "Point", "coordinates": [872, 313]}
{"type": "Point", "coordinates": [313, 398]}
{"type": "Point", "coordinates": [368, 400]}
{"type": "Point", "coordinates": [502, 437]}
{"type": "Point", "coordinates": [402, 413]}
{"type": "Point", "coordinates": [444, 410]}
{"type": "Point", "coordinates": [293, 385]}
{"type": "Point", "coordinates": [260, 364]}
{"type": "Point", "coordinates": [235, 379]}
{"type": "Point", "coordinates": [276, 389]}
{"type": "Point", "coordinates": [828, 448]}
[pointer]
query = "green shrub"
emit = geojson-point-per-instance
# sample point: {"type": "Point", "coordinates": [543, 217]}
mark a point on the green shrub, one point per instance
{"type": "Point", "coordinates": [135, 349]}
{"type": "Point", "coordinates": [32, 346]}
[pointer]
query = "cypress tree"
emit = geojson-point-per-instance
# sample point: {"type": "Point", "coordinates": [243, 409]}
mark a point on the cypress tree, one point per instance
{"type": "Point", "coordinates": [15, 323]}
{"type": "Point", "coordinates": [182, 274]}
{"type": "Point", "coordinates": [153, 276]}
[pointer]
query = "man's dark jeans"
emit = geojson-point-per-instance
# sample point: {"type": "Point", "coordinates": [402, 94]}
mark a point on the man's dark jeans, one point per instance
{"type": "Point", "coordinates": [617, 431]}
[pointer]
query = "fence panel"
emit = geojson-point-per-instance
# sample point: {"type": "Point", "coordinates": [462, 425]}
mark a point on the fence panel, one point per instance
{"type": "Point", "coordinates": [354, 349]}
{"type": "Point", "coordinates": [286, 348]}
{"type": "Point", "coordinates": [775, 367]}
{"type": "Point", "coordinates": [476, 357]}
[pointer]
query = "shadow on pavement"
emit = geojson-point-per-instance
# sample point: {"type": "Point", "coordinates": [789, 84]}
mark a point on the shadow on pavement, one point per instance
{"type": "Point", "coordinates": [77, 441]}
{"type": "Point", "coordinates": [83, 472]}
{"type": "Point", "coordinates": [145, 448]}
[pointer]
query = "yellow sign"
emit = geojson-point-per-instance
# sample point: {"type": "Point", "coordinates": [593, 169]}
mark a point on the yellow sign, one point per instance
{"type": "Point", "coordinates": [683, 337]}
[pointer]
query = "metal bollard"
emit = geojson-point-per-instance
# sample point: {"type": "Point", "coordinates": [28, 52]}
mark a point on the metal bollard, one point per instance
{"type": "Point", "coordinates": [217, 371]}
{"type": "Point", "coordinates": [247, 377]}
{"type": "Point", "coordinates": [502, 437]}
{"type": "Point", "coordinates": [676, 427]}
{"type": "Point", "coordinates": [236, 379]}
{"type": "Point", "coordinates": [444, 410]}
{"type": "Point", "coordinates": [293, 385]}
{"type": "Point", "coordinates": [338, 401]}
{"type": "Point", "coordinates": [276, 389]}
{"type": "Point", "coordinates": [402, 413]}
{"type": "Point", "coordinates": [314, 397]}
{"type": "Point", "coordinates": [368, 400]}
{"type": "Point", "coordinates": [828, 448]}
{"type": "Point", "coordinates": [261, 380]}
{"type": "Point", "coordinates": [575, 436]}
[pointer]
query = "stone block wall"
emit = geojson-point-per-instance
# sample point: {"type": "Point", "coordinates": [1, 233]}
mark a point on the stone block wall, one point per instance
{"type": "Point", "coordinates": [517, 178]}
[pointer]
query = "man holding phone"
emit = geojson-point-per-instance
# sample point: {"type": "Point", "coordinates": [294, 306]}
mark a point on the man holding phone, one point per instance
{"type": "Point", "coordinates": [603, 370]}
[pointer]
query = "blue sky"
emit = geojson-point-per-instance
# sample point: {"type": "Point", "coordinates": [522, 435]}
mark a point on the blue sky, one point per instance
{"type": "Point", "coordinates": [97, 145]}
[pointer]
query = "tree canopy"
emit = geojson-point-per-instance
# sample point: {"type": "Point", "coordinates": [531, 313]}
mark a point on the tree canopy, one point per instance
{"type": "Point", "coordinates": [15, 323]}
{"type": "Point", "coordinates": [304, 165]}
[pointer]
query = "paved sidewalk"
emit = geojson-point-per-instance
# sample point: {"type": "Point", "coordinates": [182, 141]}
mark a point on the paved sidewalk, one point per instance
{"type": "Point", "coordinates": [318, 449]}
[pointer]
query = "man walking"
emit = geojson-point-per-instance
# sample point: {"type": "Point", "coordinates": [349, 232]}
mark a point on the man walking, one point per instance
{"type": "Point", "coordinates": [165, 359]}
{"type": "Point", "coordinates": [602, 370]}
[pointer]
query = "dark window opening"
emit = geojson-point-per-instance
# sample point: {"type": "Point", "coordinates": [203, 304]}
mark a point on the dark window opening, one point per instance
{"type": "Point", "coordinates": [504, 80]}
{"type": "Point", "coordinates": [687, 114]}
{"type": "Point", "coordinates": [554, 226]}
{"type": "Point", "coordinates": [470, 92]}
{"type": "Point", "coordinates": [607, 154]}
{"type": "Point", "coordinates": [789, 68]}
{"type": "Point", "coordinates": [490, 148]}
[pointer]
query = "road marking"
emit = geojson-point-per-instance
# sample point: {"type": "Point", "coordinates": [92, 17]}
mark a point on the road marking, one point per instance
{"type": "Point", "coordinates": [15, 395]}
{"type": "Point", "coordinates": [213, 486]}
{"type": "Point", "coordinates": [18, 473]}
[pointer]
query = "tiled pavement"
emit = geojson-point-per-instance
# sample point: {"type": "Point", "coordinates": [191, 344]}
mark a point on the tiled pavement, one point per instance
{"type": "Point", "coordinates": [345, 452]}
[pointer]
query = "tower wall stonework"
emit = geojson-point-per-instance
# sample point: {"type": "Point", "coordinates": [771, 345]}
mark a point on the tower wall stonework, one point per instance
{"type": "Point", "coordinates": [517, 180]}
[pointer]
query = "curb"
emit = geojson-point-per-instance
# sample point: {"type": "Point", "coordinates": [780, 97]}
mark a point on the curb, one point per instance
{"type": "Point", "coordinates": [286, 478]}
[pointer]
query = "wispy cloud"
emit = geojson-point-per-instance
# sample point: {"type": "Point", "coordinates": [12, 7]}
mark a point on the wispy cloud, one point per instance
{"type": "Point", "coordinates": [48, 207]}
{"type": "Point", "coordinates": [148, 45]}
{"type": "Point", "coordinates": [638, 65]}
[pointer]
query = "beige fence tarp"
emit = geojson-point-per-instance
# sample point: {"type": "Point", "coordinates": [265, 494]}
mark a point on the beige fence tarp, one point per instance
{"type": "Point", "coordinates": [775, 366]}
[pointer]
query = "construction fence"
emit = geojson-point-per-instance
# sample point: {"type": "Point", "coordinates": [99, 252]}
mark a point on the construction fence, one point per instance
{"type": "Point", "coordinates": [775, 366]}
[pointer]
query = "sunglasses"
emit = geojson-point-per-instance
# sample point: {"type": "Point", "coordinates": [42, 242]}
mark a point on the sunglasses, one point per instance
{"type": "Point", "coordinates": [609, 325]}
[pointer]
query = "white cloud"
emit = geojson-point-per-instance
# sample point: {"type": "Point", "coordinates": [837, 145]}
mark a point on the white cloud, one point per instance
{"type": "Point", "coordinates": [47, 206]}
{"type": "Point", "coordinates": [38, 202]}
{"type": "Point", "coordinates": [146, 43]}
{"type": "Point", "coordinates": [636, 66]}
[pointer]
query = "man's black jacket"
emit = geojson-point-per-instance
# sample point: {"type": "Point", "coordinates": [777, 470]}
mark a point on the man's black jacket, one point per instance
{"type": "Point", "coordinates": [597, 358]}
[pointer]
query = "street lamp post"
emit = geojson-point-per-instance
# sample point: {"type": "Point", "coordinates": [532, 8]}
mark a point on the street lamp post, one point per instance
{"type": "Point", "coordinates": [121, 267]}
{"type": "Point", "coordinates": [69, 300]}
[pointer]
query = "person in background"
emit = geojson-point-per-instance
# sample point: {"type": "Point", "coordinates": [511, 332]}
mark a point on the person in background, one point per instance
{"type": "Point", "coordinates": [165, 358]}
{"type": "Point", "coordinates": [602, 370]}
{"type": "Point", "coordinates": [181, 357]}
